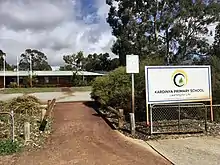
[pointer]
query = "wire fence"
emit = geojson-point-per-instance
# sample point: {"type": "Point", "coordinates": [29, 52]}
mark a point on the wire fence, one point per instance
{"type": "Point", "coordinates": [183, 117]}
{"type": "Point", "coordinates": [216, 112]}
{"type": "Point", "coordinates": [7, 126]}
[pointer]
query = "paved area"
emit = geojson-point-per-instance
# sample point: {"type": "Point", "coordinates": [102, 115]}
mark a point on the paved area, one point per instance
{"type": "Point", "coordinates": [192, 150]}
{"type": "Point", "coordinates": [82, 137]}
{"type": "Point", "coordinates": [60, 96]}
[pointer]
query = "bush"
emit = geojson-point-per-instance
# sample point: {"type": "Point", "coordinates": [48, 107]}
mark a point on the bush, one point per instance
{"type": "Point", "coordinates": [13, 85]}
{"type": "Point", "coordinates": [9, 147]}
{"type": "Point", "coordinates": [25, 104]}
{"type": "Point", "coordinates": [114, 89]}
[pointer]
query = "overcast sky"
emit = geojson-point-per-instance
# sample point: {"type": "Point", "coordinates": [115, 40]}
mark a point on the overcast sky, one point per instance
{"type": "Point", "coordinates": [56, 27]}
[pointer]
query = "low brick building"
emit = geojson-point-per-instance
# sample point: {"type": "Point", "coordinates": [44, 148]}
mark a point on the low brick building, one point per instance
{"type": "Point", "coordinates": [45, 78]}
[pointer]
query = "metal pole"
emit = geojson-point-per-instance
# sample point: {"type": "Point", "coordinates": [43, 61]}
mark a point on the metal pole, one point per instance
{"type": "Point", "coordinates": [211, 111]}
{"type": "Point", "coordinates": [132, 77]}
{"type": "Point", "coordinates": [18, 72]}
{"type": "Point", "coordinates": [30, 70]}
{"type": "Point", "coordinates": [13, 127]}
{"type": "Point", "coordinates": [132, 116]}
{"type": "Point", "coordinates": [151, 121]}
{"type": "Point", "coordinates": [4, 70]}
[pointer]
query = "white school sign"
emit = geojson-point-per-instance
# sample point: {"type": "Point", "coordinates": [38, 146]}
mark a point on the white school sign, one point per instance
{"type": "Point", "coordinates": [173, 84]}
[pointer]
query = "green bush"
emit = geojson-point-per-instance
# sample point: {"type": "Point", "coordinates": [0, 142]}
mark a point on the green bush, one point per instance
{"type": "Point", "coordinates": [114, 89]}
{"type": "Point", "coordinates": [9, 147]}
{"type": "Point", "coordinates": [13, 85]}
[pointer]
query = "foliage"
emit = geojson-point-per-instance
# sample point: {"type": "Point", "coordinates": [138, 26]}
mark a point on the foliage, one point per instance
{"type": "Point", "coordinates": [93, 62]}
{"type": "Point", "coordinates": [73, 62]}
{"type": "Point", "coordinates": [216, 44]}
{"type": "Point", "coordinates": [13, 85]}
{"type": "Point", "coordinates": [26, 108]}
{"type": "Point", "coordinates": [25, 104]}
{"type": "Point", "coordinates": [7, 66]}
{"type": "Point", "coordinates": [147, 27]}
{"type": "Point", "coordinates": [9, 147]}
{"type": "Point", "coordinates": [38, 60]}
{"type": "Point", "coordinates": [27, 80]}
{"type": "Point", "coordinates": [114, 89]}
{"type": "Point", "coordinates": [215, 70]}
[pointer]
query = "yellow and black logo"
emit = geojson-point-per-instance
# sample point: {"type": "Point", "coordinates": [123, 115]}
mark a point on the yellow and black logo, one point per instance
{"type": "Point", "coordinates": [179, 78]}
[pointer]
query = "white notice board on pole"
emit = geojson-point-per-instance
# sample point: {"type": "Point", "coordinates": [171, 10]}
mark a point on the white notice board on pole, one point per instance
{"type": "Point", "coordinates": [132, 63]}
{"type": "Point", "coordinates": [172, 84]}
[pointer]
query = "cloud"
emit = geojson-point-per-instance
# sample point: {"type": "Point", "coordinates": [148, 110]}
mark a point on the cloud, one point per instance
{"type": "Point", "coordinates": [56, 27]}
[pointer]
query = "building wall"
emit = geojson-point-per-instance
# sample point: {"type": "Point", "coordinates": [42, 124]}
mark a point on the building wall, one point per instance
{"type": "Point", "coordinates": [44, 81]}
{"type": "Point", "coordinates": [1, 82]}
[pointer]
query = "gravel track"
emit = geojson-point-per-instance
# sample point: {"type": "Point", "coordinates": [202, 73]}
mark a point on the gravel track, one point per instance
{"type": "Point", "coordinates": [82, 137]}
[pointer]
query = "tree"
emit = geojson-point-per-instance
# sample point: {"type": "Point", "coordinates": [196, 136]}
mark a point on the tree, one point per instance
{"type": "Point", "coordinates": [39, 60]}
{"type": "Point", "coordinates": [172, 28]}
{"type": "Point", "coordinates": [93, 62]}
{"type": "Point", "coordinates": [2, 54]}
{"type": "Point", "coordinates": [216, 44]}
{"type": "Point", "coordinates": [7, 66]}
{"type": "Point", "coordinates": [101, 62]}
{"type": "Point", "coordinates": [114, 63]}
{"type": "Point", "coordinates": [73, 62]}
{"type": "Point", "coordinates": [215, 65]}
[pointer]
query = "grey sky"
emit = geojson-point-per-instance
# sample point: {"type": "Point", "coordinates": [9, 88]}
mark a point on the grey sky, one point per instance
{"type": "Point", "coordinates": [54, 27]}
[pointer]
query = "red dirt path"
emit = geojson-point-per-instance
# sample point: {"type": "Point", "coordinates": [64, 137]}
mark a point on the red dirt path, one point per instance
{"type": "Point", "coordinates": [82, 137]}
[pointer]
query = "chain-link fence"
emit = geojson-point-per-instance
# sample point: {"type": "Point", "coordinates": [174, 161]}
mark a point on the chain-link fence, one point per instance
{"type": "Point", "coordinates": [181, 118]}
{"type": "Point", "coordinates": [216, 112]}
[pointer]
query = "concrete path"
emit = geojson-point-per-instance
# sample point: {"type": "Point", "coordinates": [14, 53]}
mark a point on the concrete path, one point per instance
{"type": "Point", "coordinates": [190, 151]}
{"type": "Point", "coordinates": [59, 96]}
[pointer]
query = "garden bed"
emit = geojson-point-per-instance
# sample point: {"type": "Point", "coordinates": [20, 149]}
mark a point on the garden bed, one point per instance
{"type": "Point", "coordinates": [26, 109]}
{"type": "Point", "coordinates": [192, 128]}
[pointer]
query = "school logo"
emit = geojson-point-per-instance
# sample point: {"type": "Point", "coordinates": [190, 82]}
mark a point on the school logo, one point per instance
{"type": "Point", "coordinates": [179, 78]}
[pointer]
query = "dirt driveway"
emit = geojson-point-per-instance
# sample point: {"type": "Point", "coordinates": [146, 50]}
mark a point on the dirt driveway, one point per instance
{"type": "Point", "coordinates": [82, 137]}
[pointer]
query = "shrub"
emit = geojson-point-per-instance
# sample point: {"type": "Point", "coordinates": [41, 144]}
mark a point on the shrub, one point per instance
{"type": "Point", "coordinates": [9, 147]}
{"type": "Point", "coordinates": [114, 89]}
{"type": "Point", "coordinates": [25, 104]}
{"type": "Point", "coordinates": [13, 85]}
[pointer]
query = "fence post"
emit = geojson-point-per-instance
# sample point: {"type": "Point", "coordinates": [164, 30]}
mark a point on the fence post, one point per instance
{"type": "Point", "coordinates": [132, 120]}
{"type": "Point", "coordinates": [121, 118]}
{"type": "Point", "coordinates": [48, 103]}
{"type": "Point", "coordinates": [151, 120]}
{"type": "Point", "coordinates": [27, 131]}
{"type": "Point", "coordinates": [43, 112]}
{"type": "Point", "coordinates": [13, 126]}
{"type": "Point", "coordinates": [206, 119]}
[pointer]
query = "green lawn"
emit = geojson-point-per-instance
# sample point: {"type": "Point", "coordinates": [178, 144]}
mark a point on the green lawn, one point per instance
{"type": "Point", "coordinates": [38, 90]}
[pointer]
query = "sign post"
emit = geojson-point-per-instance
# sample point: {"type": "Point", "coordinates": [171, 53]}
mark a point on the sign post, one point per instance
{"type": "Point", "coordinates": [177, 84]}
{"type": "Point", "coordinates": [132, 66]}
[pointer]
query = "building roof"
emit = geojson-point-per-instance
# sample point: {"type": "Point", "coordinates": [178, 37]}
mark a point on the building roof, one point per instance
{"type": "Point", "coordinates": [49, 73]}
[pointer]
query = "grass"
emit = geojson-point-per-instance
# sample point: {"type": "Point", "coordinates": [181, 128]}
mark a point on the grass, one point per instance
{"type": "Point", "coordinates": [40, 90]}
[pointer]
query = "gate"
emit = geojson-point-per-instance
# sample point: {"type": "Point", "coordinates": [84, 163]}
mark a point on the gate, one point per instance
{"type": "Point", "coordinates": [178, 118]}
